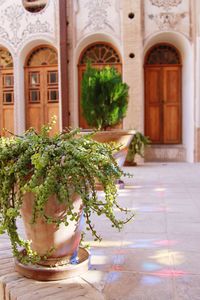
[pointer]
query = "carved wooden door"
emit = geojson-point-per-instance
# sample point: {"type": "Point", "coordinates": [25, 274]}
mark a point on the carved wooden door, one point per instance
{"type": "Point", "coordinates": [100, 55]}
{"type": "Point", "coordinates": [163, 109]}
{"type": "Point", "coordinates": [6, 93]}
{"type": "Point", "coordinates": [42, 97]}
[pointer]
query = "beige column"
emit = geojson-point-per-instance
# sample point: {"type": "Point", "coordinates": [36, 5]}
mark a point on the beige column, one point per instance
{"type": "Point", "coordinates": [132, 39]}
{"type": "Point", "coordinates": [19, 107]}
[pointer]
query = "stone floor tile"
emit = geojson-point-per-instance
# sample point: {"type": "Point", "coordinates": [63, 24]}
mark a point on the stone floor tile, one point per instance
{"type": "Point", "coordinates": [187, 288]}
{"type": "Point", "coordinates": [189, 262]}
{"type": "Point", "coordinates": [130, 286]}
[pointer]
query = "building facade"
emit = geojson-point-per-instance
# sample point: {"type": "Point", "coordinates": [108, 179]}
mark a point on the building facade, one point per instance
{"type": "Point", "coordinates": [153, 43]}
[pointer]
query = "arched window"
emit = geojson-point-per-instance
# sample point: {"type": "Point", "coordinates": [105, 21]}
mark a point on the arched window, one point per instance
{"type": "Point", "coordinates": [6, 93]}
{"type": "Point", "coordinates": [163, 54]}
{"type": "Point", "coordinates": [43, 56]}
{"type": "Point", "coordinates": [41, 82]}
{"type": "Point", "coordinates": [100, 55]}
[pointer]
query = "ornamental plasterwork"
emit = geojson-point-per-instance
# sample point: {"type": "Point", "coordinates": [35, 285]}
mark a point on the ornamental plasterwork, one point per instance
{"type": "Point", "coordinates": [167, 21]}
{"type": "Point", "coordinates": [17, 25]}
{"type": "Point", "coordinates": [97, 14]}
{"type": "Point", "coordinates": [166, 4]}
{"type": "Point", "coordinates": [2, 2]}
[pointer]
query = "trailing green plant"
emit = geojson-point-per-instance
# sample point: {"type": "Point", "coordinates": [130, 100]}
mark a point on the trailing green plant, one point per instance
{"type": "Point", "coordinates": [104, 97]}
{"type": "Point", "coordinates": [137, 146]}
{"type": "Point", "coordinates": [61, 165]}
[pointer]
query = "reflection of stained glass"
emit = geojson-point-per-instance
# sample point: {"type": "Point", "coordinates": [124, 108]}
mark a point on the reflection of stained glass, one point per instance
{"type": "Point", "coordinates": [34, 79]}
{"type": "Point", "coordinates": [100, 53]}
{"type": "Point", "coordinates": [163, 54]}
{"type": "Point", "coordinates": [7, 98]}
{"type": "Point", "coordinates": [8, 80]}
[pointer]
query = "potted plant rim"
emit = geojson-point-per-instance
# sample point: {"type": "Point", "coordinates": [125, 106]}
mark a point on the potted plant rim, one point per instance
{"type": "Point", "coordinates": [104, 102]}
{"type": "Point", "coordinates": [49, 182]}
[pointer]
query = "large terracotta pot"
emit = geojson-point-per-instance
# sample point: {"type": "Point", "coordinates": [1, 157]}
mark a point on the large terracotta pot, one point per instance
{"type": "Point", "coordinates": [121, 137]}
{"type": "Point", "coordinates": [44, 237]}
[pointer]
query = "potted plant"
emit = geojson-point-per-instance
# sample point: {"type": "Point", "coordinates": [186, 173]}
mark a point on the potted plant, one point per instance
{"type": "Point", "coordinates": [50, 183]}
{"type": "Point", "coordinates": [104, 102]}
{"type": "Point", "coordinates": [137, 147]}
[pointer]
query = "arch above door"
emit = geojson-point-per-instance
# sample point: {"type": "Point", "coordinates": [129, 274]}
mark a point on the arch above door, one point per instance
{"type": "Point", "coordinates": [6, 93]}
{"type": "Point", "coordinates": [41, 87]}
{"type": "Point", "coordinates": [100, 54]}
{"type": "Point", "coordinates": [163, 103]}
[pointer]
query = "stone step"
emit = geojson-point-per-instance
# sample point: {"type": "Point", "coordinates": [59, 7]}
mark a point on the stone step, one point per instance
{"type": "Point", "coordinates": [165, 153]}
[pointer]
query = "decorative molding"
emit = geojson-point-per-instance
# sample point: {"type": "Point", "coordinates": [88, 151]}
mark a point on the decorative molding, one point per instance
{"type": "Point", "coordinates": [166, 20]}
{"type": "Point", "coordinates": [37, 27]}
{"type": "Point", "coordinates": [166, 4]}
{"type": "Point", "coordinates": [14, 14]}
{"type": "Point", "coordinates": [2, 2]}
{"type": "Point", "coordinates": [97, 15]}
{"type": "Point", "coordinates": [17, 25]}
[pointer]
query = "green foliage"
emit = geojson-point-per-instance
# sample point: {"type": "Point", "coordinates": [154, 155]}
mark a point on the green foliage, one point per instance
{"type": "Point", "coordinates": [137, 146]}
{"type": "Point", "coordinates": [104, 97]}
{"type": "Point", "coordinates": [61, 165]}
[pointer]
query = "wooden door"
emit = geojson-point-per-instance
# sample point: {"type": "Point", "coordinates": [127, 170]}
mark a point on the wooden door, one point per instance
{"type": "Point", "coordinates": [6, 102]}
{"type": "Point", "coordinates": [100, 55]}
{"type": "Point", "coordinates": [163, 109]}
{"type": "Point", "coordinates": [42, 96]}
{"type": "Point", "coordinates": [163, 104]}
{"type": "Point", "coordinates": [41, 85]}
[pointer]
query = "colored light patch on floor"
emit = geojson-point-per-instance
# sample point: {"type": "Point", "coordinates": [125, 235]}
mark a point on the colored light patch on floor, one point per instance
{"type": "Point", "coordinates": [141, 244]}
{"type": "Point", "coordinates": [160, 189]}
{"type": "Point", "coordinates": [170, 273]}
{"type": "Point", "coordinates": [166, 243]}
{"type": "Point", "coordinates": [150, 267]}
{"type": "Point", "coordinates": [114, 276]}
{"type": "Point", "coordinates": [164, 257]}
{"type": "Point", "coordinates": [151, 280]}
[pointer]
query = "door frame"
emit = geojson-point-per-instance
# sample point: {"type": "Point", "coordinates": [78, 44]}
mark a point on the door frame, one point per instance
{"type": "Point", "coordinates": [151, 66]}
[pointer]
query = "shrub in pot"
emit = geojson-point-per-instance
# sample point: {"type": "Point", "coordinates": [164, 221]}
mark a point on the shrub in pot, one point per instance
{"type": "Point", "coordinates": [104, 97]}
{"type": "Point", "coordinates": [104, 101]}
{"type": "Point", "coordinates": [50, 182]}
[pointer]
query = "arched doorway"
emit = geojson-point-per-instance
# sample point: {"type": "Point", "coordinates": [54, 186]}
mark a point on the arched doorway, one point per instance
{"type": "Point", "coordinates": [100, 54]}
{"type": "Point", "coordinates": [163, 109]}
{"type": "Point", "coordinates": [41, 87]}
{"type": "Point", "coordinates": [6, 93]}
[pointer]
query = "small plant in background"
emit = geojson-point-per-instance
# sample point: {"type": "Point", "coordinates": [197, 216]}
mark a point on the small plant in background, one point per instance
{"type": "Point", "coordinates": [137, 147]}
{"type": "Point", "coordinates": [104, 97]}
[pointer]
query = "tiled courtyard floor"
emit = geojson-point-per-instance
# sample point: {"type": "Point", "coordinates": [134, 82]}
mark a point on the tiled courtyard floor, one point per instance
{"type": "Point", "coordinates": [156, 257]}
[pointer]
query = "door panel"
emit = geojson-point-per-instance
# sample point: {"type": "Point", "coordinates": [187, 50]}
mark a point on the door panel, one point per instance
{"type": "Point", "coordinates": [154, 124]}
{"type": "Point", "coordinates": [171, 105]}
{"type": "Point", "coordinates": [171, 128]}
{"type": "Point", "coordinates": [163, 104]}
{"type": "Point", "coordinates": [42, 97]}
{"type": "Point", "coordinates": [153, 105]}
{"type": "Point", "coordinates": [6, 102]}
